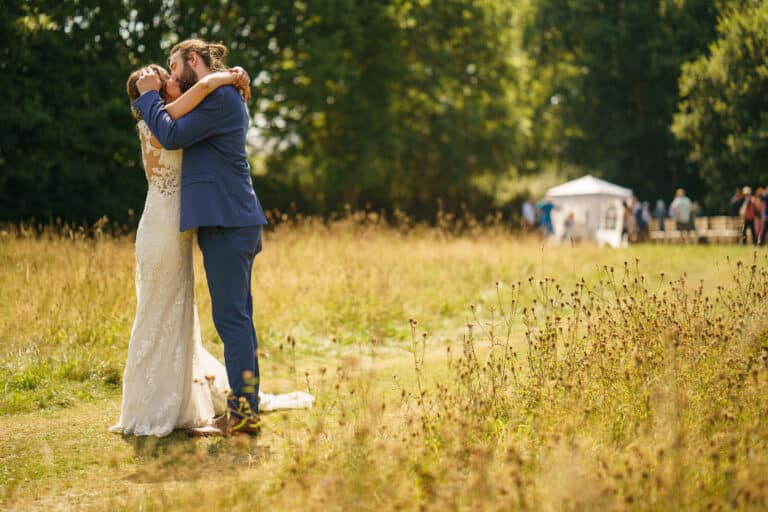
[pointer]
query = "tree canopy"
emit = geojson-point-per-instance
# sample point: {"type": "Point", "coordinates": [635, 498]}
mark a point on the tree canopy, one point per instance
{"type": "Point", "coordinates": [392, 104]}
{"type": "Point", "coordinates": [723, 111]}
{"type": "Point", "coordinates": [614, 68]}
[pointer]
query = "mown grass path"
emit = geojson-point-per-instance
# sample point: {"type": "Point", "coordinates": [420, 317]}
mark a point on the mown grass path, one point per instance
{"type": "Point", "coordinates": [64, 458]}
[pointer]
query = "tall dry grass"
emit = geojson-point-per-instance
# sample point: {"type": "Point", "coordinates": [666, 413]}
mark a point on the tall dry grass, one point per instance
{"type": "Point", "coordinates": [528, 377]}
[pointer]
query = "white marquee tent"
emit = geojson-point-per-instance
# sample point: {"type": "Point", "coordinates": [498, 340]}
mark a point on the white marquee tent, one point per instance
{"type": "Point", "coordinates": [596, 206]}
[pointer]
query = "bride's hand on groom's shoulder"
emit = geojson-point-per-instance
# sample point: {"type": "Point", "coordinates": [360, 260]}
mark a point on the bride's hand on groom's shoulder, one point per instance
{"type": "Point", "coordinates": [242, 81]}
{"type": "Point", "coordinates": [148, 80]}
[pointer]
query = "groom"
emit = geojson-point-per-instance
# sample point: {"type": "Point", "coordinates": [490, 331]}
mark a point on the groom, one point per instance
{"type": "Point", "coordinates": [217, 198]}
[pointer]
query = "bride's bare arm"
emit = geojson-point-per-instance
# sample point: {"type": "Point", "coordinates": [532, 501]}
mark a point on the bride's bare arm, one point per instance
{"type": "Point", "coordinates": [185, 103]}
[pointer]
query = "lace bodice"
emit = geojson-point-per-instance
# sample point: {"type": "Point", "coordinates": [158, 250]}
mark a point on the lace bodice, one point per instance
{"type": "Point", "coordinates": [162, 166]}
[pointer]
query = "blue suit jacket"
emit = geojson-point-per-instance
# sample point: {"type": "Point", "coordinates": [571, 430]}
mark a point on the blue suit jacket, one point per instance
{"type": "Point", "coordinates": [216, 186]}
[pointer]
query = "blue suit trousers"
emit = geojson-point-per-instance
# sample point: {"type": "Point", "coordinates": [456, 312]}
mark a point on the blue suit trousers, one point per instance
{"type": "Point", "coordinates": [228, 254]}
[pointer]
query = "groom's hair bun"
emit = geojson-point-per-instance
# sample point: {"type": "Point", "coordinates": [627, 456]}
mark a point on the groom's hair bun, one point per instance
{"type": "Point", "coordinates": [213, 54]}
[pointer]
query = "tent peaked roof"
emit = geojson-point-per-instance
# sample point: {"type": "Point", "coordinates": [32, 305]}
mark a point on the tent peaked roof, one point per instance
{"type": "Point", "coordinates": [587, 186]}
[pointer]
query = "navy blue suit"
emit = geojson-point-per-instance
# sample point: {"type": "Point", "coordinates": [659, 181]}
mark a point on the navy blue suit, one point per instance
{"type": "Point", "coordinates": [217, 198]}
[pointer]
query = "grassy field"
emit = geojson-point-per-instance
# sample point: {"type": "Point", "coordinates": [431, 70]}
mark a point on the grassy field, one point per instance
{"type": "Point", "coordinates": [472, 372]}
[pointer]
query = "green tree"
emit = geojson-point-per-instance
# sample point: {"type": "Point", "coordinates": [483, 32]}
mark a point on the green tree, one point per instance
{"type": "Point", "coordinates": [66, 146]}
{"type": "Point", "coordinates": [389, 102]}
{"type": "Point", "coordinates": [614, 67]}
{"type": "Point", "coordinates": [723, 110]}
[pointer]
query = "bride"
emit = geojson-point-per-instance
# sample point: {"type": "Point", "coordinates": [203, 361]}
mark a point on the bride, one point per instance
{"type": "Point", "coordinates": [170, 380]}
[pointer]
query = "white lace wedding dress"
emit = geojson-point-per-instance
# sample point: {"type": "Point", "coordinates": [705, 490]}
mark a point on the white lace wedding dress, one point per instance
{"type": "Point", "coordinates": [170, 380]}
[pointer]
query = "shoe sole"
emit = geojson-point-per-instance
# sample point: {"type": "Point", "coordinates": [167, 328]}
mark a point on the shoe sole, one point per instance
{"type": "Point", "coordinates": [204, 432]}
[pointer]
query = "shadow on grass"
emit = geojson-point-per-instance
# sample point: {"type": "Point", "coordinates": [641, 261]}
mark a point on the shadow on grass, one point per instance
{"type": "Point", "coordinates": [178, 457]}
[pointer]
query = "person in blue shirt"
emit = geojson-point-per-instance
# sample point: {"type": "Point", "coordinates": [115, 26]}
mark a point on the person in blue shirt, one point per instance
{"type": "Point", "coordinates": [545, 208]}
{"type": "Point", "coordinates": [660, 212]}
{"type": "Point", "coordinates": [528, 211]}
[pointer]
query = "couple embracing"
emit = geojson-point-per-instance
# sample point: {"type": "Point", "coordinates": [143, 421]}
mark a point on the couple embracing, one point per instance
{"type": "Point", "coordinates": [192, 123]}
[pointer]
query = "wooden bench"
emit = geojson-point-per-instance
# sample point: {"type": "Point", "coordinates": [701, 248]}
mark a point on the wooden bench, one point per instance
{"type": "Point", "coordinates": [719, 229]}
{"type": "Point", "coordinates": [671, 234]}
{"type": "Point", "coordinates": [654, 233]}
{"type": "Point", "coordinates": [723, 229]}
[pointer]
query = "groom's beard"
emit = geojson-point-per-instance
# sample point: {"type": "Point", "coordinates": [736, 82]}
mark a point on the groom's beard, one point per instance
{"type": "Point", "coordinates": [187, 79]}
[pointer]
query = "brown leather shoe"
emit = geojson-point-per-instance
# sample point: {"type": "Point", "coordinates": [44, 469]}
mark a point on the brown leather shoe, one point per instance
{"type": "Point", "coordinates": [231, 424]}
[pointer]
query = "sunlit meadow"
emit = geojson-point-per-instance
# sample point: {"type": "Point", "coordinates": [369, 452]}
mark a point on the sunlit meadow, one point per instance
{"type": "Point", "coordinates": [455, 369]}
